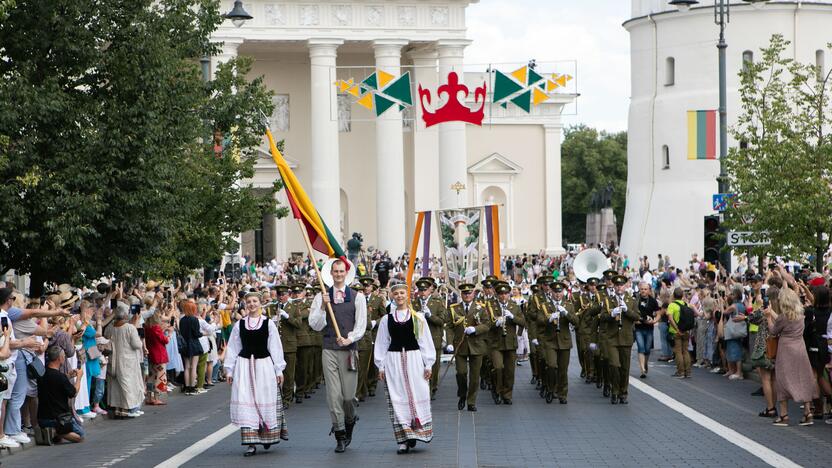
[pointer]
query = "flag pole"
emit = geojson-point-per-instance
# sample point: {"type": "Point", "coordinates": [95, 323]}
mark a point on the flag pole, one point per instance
{"type": "Point", "coordinates": [320, 279]}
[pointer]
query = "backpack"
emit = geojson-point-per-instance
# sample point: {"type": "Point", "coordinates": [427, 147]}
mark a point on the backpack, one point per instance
{"type": "Point", "coordinates": [686, 319]}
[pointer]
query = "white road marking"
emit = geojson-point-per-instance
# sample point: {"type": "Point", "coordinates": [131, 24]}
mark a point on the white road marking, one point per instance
{"type": "Point", "coordinates": [194, 450]}
{"type": "Point", "coordinates": [760, 451]}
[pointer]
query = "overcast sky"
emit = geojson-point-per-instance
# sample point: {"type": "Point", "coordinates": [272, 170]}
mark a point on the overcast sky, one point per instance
{"type": "Point", "coordinates": [588, 31]}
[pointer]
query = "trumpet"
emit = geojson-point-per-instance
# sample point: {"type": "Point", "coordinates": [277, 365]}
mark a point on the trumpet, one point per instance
{"type": "Point", "coordinates": [620, 304]}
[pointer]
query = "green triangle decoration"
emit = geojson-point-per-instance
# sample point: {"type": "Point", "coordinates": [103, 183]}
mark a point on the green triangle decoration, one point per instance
{"type": "Point", "coordinates": [382, 104]}
{"type": "Point", "coordinates": [401, 107]}
{"type": "Point", "coordinates": [542, 85]}
{"type": "Point", "coordinates": [504, 86]}
{"type": "Point", "coordinates": [399, 89]}
{"type": "Point", "coordinates": [523, 101]}
{"type": "Point", "coordinates": [504, 104]}
{"type": "Point", "coordinates": [534, 77]}
{"type": "Point", "coordinates": [371, 81]}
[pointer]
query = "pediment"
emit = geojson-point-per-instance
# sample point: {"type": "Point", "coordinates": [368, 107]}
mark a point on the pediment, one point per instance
{"type": "Point", "coordinates": [495, 163]}
{"type": "Point", "coordinates": [263, 156]}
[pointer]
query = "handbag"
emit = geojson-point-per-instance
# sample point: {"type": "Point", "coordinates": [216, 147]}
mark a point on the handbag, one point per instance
{"type": "Point", "coordinates": [106, 349]}
{"type": "Point", "coordinates": [34, 367]}
{"type": "Point", "coordinates": [735, 330]}
{"type": "Point", "coordinates": [93, 353]}
{"type": "Point", "coordinates": [771, 347]}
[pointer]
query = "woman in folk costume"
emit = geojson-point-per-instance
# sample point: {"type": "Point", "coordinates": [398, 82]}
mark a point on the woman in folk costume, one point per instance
{"type": "Point", "coordinates": [404, 355]}
{"type": "Point", "coordinates": [254, 364]}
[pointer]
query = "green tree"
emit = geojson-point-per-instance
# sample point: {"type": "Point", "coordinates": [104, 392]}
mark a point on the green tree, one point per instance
{"type": "Point", "coordinates": [782, 172]}
{"type": "Point", "coordinates": [107, 167]}
{"type": "Point", "coordinates": [590, 161]}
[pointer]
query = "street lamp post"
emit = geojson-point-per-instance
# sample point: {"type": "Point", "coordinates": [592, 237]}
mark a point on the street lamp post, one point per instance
{"type": "Point", "coordinates": [457, 187]}
{"type": "Point", "coordinates": [722, 16]}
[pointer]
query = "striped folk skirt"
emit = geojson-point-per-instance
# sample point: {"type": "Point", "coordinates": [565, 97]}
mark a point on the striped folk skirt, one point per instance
{"type": "Point", "coordinates": [408, 397]}
{"type": "Point", "coordinates": [257, 404]}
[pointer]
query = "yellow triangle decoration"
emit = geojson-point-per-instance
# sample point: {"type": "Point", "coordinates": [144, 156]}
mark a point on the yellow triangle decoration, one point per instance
{"type": "Point", "coordinates": [384, 78]}
{"type": "Point", "coordinates": [538, 96]}
{"type": "Point", "coordinates": [344, 85]}
{"type": "Point", "coordinates": [366, 101]}
{"type": "Point", "coordinates": [562, 79]}
{"type": "Point", "coordinates": [355, 91]}
{"type": "Point", "coordinates": [551, 86]}
{"type": "Point", "coordinates": [520, 74]}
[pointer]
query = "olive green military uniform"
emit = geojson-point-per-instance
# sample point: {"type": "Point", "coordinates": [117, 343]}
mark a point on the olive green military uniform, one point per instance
{"type": "Point", "coordinates": [535, 306]}
{"type": "Point", "coordinates": [556, 340]}
{"type": "Point", "coordinates": [376, 309]}
{"type": "Point", "coordinates": [469, 349]}
{"type": "Point", "coordinates": [435, 313]}
{"type": "Point", "coordinates": [365, 356]}
{"type": "Point", "coordinates": [288, 328]}
{"type": "Point", "coordinates": [503, 340]}
{"type": "Point", "coordinates": [618, 332]}
{"type": "Point", "coordinates": [487, 371]}
{"type": "Point", "coordinates": [306, 352]}
{"type": "Point", "coordinates": [588, 307]}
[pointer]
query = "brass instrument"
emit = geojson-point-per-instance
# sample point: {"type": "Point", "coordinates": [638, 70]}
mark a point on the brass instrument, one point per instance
{"type": "Point", "coordinates": [620, 303]}
{"type": "Point", "coordinates": [502, 316]}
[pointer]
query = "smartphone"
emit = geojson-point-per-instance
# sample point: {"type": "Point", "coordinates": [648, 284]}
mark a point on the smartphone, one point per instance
{"type": "Point", "coordinates": [4, 322]}
{"type": "Point", "coordinates": [765, 301]}
{"type": "Point", "coordinates": [113, 304]}
{"type": "Point", "coordinates": [136, 309]}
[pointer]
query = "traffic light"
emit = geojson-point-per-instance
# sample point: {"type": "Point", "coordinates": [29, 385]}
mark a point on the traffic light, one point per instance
{"type": "Point", "coordinates": [714, 240]}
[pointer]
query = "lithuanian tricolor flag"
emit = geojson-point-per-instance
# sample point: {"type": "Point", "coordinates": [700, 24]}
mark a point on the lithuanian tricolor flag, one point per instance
{"type": "Point", "coordinates": [320, 237]}
{"type": "Point", "coordinates": [702, 134]}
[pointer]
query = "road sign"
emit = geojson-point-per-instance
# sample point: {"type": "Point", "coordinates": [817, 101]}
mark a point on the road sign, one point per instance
{"type": "Point", "coordinates": [747, 239]}
{"type": "Point", "coordinates": [721, 201]}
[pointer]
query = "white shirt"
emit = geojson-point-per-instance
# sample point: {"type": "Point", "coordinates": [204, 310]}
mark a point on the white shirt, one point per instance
{"type": "Point", "coordinates": [235, 345]}
{"type": "Point", "coordinates": [318, 315]}
{"type": "Point", "coordinates": [13, 356]}
{"type": "Point", "coordinates": [425, 340]}
{"type": "Point", "coordinates": [206, 329]}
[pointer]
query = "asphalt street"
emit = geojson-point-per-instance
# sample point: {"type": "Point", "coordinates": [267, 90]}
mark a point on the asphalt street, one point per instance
{"type": "Point", "coordinates": [703, 421]}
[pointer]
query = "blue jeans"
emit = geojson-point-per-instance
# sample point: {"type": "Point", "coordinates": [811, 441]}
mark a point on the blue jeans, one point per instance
{"type": "Point", "coordinates": [12, 424]}
{"type": "Point", "coordinates": [98, 391]}
{"type": "Point", "coordinates": [644, 341]}
{"type": "Point", "coordinates": [666, 351]}
{"type": "Point", "coordinates": [76, 428]}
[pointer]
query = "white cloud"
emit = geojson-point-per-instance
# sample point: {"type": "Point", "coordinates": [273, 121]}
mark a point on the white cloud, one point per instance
{"type": "Point", "coordinates": [587, 31]}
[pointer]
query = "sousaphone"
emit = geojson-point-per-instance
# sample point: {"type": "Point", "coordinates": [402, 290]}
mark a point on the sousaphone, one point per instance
{"type": "Point", "coordinates": [590, 263]}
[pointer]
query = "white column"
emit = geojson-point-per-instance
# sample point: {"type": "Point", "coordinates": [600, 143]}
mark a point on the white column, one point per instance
{"type": "Point", "coordinates": [554, 225]}
{"type": "Point", "coordinates": [229, 48]}
{"type": "Point", "coordinates": [390, 207]}
{"type": "Point", "coordinates": [425, 140]}
{"type": "Point", "coordinates": [326, 180]}
{"type": "Point", "coordinates": [453, 152]}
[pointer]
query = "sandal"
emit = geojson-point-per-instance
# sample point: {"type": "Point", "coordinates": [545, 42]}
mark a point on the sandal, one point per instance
{"type": "Point", "coordinates": [807, 420]}
{"type": "Point", "coordinates": [767, 413]}
{"type": "Point", "coordinates": [250, 451]}
{"type": "Point", "coordinates": [782, 421]}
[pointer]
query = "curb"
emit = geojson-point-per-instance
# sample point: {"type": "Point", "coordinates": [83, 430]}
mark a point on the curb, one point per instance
{"type": "Point", "coordinates": [11, 451]}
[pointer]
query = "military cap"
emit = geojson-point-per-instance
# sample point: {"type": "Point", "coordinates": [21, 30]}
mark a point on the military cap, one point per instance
{"type": "Point", "coordinates": [501, 287]}
{"type": "Point", "coordinates": [592, 281]}
{"type": "Point", "coordinates": [424, 283]}
{"type": "Point", "coordinates": [609, 274]}
{"type": "Point", "coordinates": [535, 288]}
{"type": "Point", "coordinates": [466, 287]}
{"type": "Point", "coordinates": [541, 280]}
{"type": "Point", "coordinates": [357, 287]}
{"type": "Point", "coordinates": [297, 287]}
{"type": "Point", "coordinates": [367, 281]}
{"type": "Point", "coordinates": [281, 289]}
{"type": "Point", "coordinates": [557, 286]}
{"type": "Point", "coordinates": [618, 280]}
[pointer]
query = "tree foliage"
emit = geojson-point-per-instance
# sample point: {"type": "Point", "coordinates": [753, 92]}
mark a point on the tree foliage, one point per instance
{"type": "Point", "coordinates": [107, 164]}
{"type": "Point", "coordinates": [590, 161]}
{"type": "Point", "coordinates": [783, 170]}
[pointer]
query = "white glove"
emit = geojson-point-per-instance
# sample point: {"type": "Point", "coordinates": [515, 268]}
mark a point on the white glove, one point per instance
{"type": "Point", "coordinates": [283, 314]}
{"type": "Point", "coordinates": [535, 342]}
{"type": "Point", "coordinates": [616, 312]}
{"type": "Point", "coordinates": [470, 330]}
{"type": "Point", "coordinates": [553, 316]}
{"type": "Point", "coordinates": [427, 313]}
{"type": "Point", "coordinates": [450, 348]}
{"type": "Point", "coordinates": [561, 309]}
{"type": "Point", "coordinates": [623, 309]}
{"type": "Point", "coordinates": [499, 322]}
{"type": "Point", "coordinates": [372, 323]}
{"type": "Point", "coordinates": [509, 315]}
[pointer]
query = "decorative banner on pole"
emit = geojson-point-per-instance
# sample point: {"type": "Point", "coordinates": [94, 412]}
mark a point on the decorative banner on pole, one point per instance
{"type": "Point", "coordinates": [702, 134]}
{"type": "Point", "coordinates": [492, 229]}
{"type": "Point", "coordinates": [379, 91]}
{"type": "Point", "coordinates": [525, 87]}
{"type": "Point", "coordinates": [459, 232]}
{"type": "Point", "coordinates": [426, 245]}
{"type": "Point", "coordinates": [411, 261]}
{"type": "Point", "coordinates": [453, 110]}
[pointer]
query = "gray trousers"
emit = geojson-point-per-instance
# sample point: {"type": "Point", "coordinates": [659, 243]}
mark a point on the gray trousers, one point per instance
{"type": "Point", "coordinates": [340, 386]}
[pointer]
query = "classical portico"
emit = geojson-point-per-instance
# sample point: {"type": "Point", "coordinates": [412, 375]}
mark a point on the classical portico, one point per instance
{"type": "Point", "coordinates": [370, 174]}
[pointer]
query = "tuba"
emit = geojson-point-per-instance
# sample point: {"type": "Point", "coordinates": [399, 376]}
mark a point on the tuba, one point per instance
{"type": "Point", "coordinates": [590, 263]}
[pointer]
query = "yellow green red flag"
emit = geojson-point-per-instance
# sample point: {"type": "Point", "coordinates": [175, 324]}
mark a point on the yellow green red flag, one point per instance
{"type": "Point", "coordinates": [320, 236]}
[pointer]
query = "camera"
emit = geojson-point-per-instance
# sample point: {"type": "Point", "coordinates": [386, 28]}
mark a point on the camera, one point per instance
{"type": "Point", "coordinates": [135, 309]}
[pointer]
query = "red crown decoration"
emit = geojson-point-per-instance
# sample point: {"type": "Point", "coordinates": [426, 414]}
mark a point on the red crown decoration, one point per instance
{"type": "Point", "coordinates": [453, 110]}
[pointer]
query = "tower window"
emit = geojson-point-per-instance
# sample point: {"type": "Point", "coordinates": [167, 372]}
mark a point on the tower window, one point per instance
{"type": "Point", "coordinates": [670, 71]}
{"type": "Point", "coordinates": [820, 63]}
{"type": "Point", "coordinates": [747, 59]}
{"type": "Point", "coordinates": [665, 157]}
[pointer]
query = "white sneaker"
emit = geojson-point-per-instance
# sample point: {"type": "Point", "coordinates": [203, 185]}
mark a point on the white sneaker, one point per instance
{"type": "Point", "coordinates": [715, 370]}
{"type": "Point", "coordinates": [20, 438]}
{"type": "Point", "coordinates": [8, 442]}
{"type": "Point", "coordinates": [201, 390]}
{"type": "Point", "coordinates": [89, 415]}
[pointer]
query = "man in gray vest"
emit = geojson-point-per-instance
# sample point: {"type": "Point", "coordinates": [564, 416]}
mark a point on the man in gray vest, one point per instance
{"type": "Point", "coordinates": [340, 357]}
